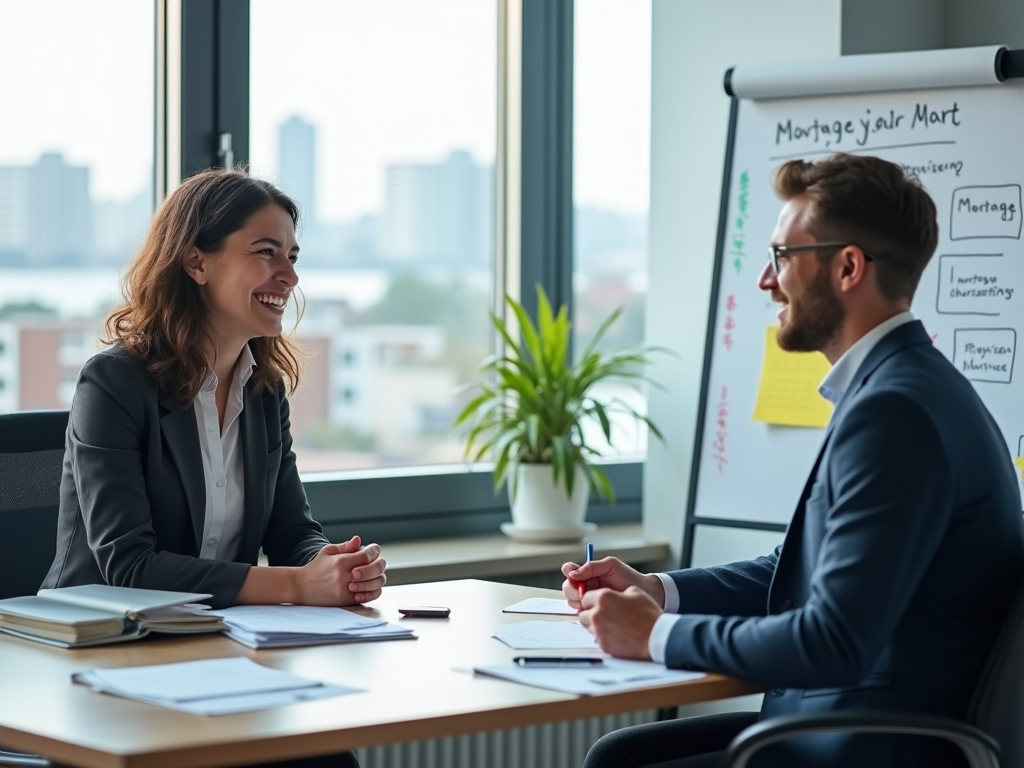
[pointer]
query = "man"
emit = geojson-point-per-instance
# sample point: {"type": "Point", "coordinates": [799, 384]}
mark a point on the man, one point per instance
{"type": "Point", "coordinates": [906, 548]}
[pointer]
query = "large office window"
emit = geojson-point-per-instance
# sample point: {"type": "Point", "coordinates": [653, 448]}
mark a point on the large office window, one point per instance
{"type": "Point", "coordinates": [612, 72]}
{"type": "Point", "coordinates": [76, 190]}
{"type": "Point", "coordinates": [379, 117]}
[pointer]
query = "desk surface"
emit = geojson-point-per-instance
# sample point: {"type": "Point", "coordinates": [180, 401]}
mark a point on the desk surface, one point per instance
{"type": "Point", "coordinates": [415, 689]}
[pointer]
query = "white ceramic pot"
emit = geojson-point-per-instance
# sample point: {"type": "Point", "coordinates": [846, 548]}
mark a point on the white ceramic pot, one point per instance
{"type": "Point", "coordinates": [540, 505]}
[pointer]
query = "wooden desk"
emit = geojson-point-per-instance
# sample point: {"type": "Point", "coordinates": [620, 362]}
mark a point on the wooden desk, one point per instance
{"type": "Point", "coordinates": [413, 691]}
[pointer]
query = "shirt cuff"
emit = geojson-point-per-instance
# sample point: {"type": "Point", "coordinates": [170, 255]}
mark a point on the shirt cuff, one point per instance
{"type": "Point", "coordinates": [671, 593]}
{"type": "Point", "coordinates": [658, 641]}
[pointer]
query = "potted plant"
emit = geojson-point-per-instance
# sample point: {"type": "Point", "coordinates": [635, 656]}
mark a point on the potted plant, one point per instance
{"type": "Point", "coordinates": [530, 411]}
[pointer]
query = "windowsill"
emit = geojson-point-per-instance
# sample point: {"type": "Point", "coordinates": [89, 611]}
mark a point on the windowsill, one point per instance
{"type": "Point", "coordinates": [498, 555]}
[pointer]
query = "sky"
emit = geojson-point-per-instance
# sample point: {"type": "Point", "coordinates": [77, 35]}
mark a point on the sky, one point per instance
{"type": "Point", "coordinates": [77, 77]}
{"type": "Point", "coordinates": [384, 81]}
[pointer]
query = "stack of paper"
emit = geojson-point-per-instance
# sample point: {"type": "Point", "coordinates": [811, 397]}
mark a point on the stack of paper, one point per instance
{"type": "Point", "coordinates": [210, 686]}
{"type": "Point", "coordinates": [277, 626]}
{"type": "Point", "coordinates": [611, 676]}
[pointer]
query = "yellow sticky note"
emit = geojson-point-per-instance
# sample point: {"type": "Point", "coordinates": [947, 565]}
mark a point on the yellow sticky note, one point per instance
{"type": "Point", "coordinates": [1019, 464]}
{"type": "Point", "coordinates": [788, 393]}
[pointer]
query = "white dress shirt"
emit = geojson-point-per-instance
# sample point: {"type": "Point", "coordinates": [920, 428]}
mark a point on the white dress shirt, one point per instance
{"type": "Point", "coordinates": [222, 463]}
{"type": "Point", "coordinates": [832, 388]}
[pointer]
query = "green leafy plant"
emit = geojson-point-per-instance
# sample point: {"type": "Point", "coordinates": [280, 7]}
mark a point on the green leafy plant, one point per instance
{"type": "Point", "coordinates": [533, 401]}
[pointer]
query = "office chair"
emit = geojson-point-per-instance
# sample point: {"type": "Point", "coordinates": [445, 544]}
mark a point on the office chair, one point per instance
{"type": "Point", "coordinates": [31, 459]}
{"type": "Point", "coordinates": [991, 738]}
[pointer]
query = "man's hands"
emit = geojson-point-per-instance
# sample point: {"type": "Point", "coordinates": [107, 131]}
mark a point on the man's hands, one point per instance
{"type": "Point", "coordinates": [621, 622]}
{"type": "Point", "coordinates": [619, 607]}
{"type": "Point", "coordinates": [342, 574]}
{"type": "Point", "coordinates": [609, 573]}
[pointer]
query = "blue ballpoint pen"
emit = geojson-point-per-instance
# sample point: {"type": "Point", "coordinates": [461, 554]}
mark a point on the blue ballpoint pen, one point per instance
{"type": "Point", "coordinates": [582, 586]}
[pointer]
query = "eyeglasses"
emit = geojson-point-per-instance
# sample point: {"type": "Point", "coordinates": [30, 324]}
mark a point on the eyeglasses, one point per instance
{"type": "Point", "coordinates": [777, 251]}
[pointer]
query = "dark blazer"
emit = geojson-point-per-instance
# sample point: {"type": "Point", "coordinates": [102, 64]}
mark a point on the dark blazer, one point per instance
{"type": "Point", "coordinates": [896, 572]}
{"type": "Point", "coordinates": [133, 494]}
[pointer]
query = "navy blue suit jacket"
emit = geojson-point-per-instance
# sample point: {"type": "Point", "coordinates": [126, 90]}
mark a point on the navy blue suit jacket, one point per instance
{"type": "Point", "coordinates": [133, 493]}
{"type": "Point", "coordinates": [896, 572]}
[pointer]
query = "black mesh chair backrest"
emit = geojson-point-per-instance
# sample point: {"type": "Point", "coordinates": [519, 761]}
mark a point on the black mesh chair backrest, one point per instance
{"type": "Point", "coordinates": [998, 703]}
{"type": "Point", "coordinates": [31, 459]}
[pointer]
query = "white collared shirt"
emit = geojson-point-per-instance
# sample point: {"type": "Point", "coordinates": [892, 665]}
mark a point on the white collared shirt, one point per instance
{"type": "Point", "coordinates": [222, 462]}
{"type": "Point", "coordinates": [839, 379]}
{"type": "Point", "coordinates": [832, 388]}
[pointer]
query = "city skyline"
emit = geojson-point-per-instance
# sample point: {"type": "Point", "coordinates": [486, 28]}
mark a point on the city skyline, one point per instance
{"type": "Point", "coordinates": [434, 213]}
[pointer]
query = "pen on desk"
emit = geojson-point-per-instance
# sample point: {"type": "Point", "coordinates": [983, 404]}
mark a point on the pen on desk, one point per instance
{"type": "Point", "coordinates": [558, 661]}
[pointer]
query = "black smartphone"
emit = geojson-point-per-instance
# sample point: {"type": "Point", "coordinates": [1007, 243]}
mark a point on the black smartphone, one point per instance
{"type": "Point", "coordinates": [425, 612]}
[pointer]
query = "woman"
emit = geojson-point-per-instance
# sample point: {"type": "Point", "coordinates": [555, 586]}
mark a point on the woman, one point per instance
{"type": "Point", "coordinates": [179, 463]}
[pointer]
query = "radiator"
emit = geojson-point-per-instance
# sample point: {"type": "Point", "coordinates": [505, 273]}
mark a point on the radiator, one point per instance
{"type": "Point", "coordinates": [552, 745]}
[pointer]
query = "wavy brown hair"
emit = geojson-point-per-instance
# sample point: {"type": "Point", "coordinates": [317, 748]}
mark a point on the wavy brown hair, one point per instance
{"type": "Point", "coordinates": [163, 318]}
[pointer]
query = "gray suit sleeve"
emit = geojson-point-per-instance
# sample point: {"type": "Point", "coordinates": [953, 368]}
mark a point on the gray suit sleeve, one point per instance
{"type": "Point", "coordinates": [292, 537]}
{"type": "Point", "coordinates": [106, 453]}
{"type": "Point", "coordinates": [892, 484]}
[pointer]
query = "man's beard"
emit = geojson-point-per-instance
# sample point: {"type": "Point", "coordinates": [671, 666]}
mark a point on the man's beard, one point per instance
{"type": "Point", "coordinates": [815, 319]}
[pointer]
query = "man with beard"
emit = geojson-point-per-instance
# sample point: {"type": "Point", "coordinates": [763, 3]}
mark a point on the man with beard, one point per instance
{"type": "Point", "coordinates": [906, 548]}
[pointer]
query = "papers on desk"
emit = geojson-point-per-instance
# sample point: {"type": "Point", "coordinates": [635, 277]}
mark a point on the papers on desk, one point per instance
{"type": "Point", "coordinates": [546, 635]}
{"type": "Point", "coordinates": [612, 676]}
{"type": "Point", "coordinates": [279, 626]}
{"type": "Point", "coordinates": [210, 686]}
{"type": "Point", "coordinates": [544, 605]}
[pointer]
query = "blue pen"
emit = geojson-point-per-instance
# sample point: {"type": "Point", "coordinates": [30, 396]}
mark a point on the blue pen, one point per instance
{"type": "Point", "coordinates": [582, 585]}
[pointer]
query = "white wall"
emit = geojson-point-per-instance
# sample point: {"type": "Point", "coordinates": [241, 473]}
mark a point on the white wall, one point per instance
{"type": "Point", "coordinates": [693, 43]}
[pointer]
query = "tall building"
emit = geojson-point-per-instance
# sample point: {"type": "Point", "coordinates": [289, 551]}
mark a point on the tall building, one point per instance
{"type": "Point", "coordinates": [58, 212]}
{"type": "Point", "coordinates": [119, 226]}
{"type": "Point", "coordinates": [297, 166]}
{"type": "Point", "coordinates": [438, 212]}
{"type": "Point", "coordinates": [13, 214]}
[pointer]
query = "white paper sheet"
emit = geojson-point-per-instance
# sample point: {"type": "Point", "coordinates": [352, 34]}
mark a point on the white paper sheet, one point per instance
{"type": "Point", "coordinates": [293, 639]}
{"type": "Point", "coordinates": [208, 686]}
{"type": "Point", "coordinates": [303, 619]}
{"type": "Point", "coordinates": [612, 676]}
{"type": "Point", "coordinates": [546, 635]}
{"type": "Point", "coordinates": [543, 605]}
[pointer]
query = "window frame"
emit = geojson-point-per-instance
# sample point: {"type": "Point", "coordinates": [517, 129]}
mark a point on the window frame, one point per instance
{"type": "Point", "coordinates": [203, 93]}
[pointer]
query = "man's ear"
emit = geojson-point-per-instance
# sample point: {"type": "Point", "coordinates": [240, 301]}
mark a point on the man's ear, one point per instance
{"type": "Point", "coordinates": [852, 268]}
{"type": "Point", "coordinates": [195, 266]}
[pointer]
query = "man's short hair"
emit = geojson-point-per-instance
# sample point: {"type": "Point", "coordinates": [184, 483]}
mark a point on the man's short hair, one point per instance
{"type": "Point", "coordinates": [871, 203]}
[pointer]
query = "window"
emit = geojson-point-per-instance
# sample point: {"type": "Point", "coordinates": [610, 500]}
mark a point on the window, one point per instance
{"type": "Point", "coordinates": [381, 123]}
{"type": "Point", "coordinates": [612, 73]}
{"type": "Point", "coordinates": [382, 120]}
{"type": "Point", "coordinates": [76, 165]}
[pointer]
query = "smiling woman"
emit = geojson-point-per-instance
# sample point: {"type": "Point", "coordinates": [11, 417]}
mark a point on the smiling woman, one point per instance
{"type": "Point", "coordinates": [180, 463]}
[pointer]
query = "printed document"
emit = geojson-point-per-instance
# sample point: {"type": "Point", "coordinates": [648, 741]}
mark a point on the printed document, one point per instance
{"type": "Point", "coordinates": [542, 605]}
{"type": "Point", "coordinates": [546, 635]}
{"type": "Point", "coordinates": [209, 686]}
{"type": "Point", "coordinates": [611, 676]}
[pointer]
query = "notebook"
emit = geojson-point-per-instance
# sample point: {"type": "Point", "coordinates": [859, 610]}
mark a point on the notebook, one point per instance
{"type": "Point", "coordinates": [94, 614]}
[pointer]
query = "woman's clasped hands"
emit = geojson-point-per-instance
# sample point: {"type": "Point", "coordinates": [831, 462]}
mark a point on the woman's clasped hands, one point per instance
{"type": "Point", "coordinates": [342, 574]}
